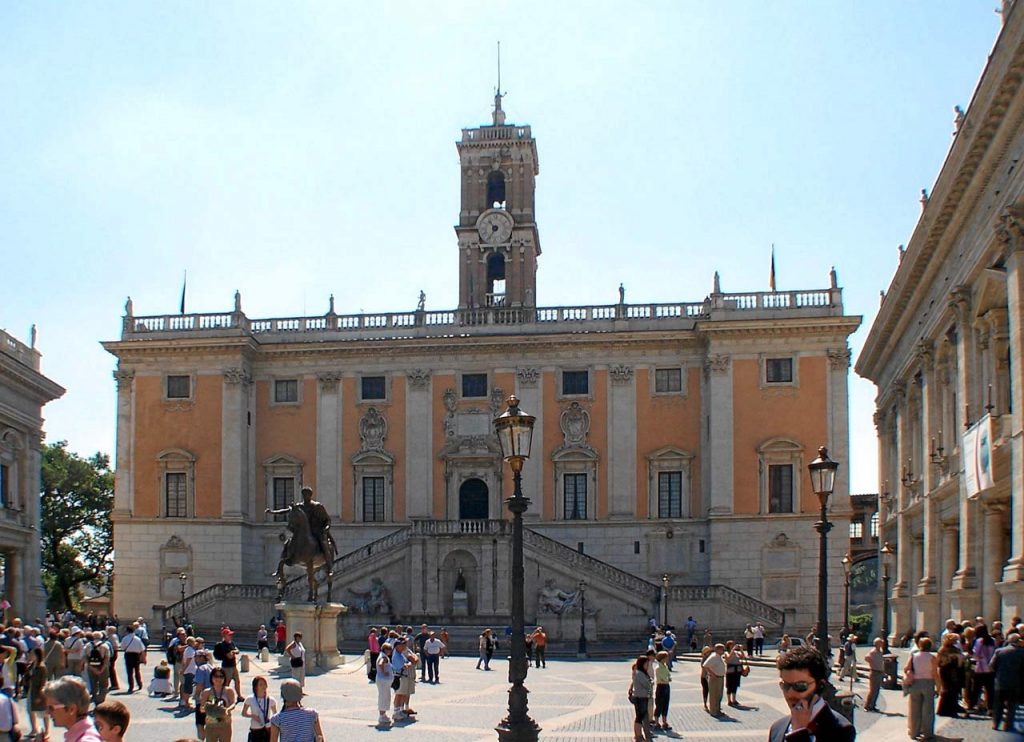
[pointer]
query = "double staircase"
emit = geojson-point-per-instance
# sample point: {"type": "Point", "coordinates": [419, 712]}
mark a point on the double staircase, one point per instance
{"type": "Point", "coordinates": [625, 600]}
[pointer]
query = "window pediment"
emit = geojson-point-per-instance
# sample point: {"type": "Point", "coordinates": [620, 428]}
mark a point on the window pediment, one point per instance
{"type": "Point", "coordinates": [780, 446]}
{"type": "Point", "coordinates": [176, 455]}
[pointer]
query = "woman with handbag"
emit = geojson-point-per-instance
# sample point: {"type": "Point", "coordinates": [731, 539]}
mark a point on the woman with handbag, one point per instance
{"type": "Point", "coordinates": [662, 691]}
{"type": "Point", "coordinates": [384, 679]}
{"type": "Point", "coordinates": [733, 671]}
{"type": "Point", "coordinates": [297, 656]}
{"type": "Point", "coordinates": [217, 701]}
{"type": "Point", "coordinates": [36, 700]}
{"type": "Point", "coordinates": [259, 707]}
{"type": "Point", "coordinates": [640, 695]}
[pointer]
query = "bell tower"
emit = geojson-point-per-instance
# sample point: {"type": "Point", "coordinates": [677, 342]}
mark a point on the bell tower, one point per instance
{"type": "Point", "coordinates": [497, 231]}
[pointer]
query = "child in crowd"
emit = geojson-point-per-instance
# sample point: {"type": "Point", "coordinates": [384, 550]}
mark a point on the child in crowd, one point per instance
{"type": "Point", "coordinates": [112, 719]}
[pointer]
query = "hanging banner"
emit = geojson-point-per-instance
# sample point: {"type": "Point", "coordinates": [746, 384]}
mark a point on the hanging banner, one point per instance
{"type": "Point", "coordinates": [977, 457]}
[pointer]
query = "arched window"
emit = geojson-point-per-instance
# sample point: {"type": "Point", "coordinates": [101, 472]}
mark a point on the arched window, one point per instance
{"type": "Point", "coordinates": [496, 190]}
{"type": "Point", "coordinates": [473, 500]}
{"type": "Point", "coordinates": [496, 280]}
{"type": "Point", "coordinates": [873, 525]}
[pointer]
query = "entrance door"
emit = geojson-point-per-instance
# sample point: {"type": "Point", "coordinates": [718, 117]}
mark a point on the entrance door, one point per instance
{"type": "Point", "coordinates": [473, 500]}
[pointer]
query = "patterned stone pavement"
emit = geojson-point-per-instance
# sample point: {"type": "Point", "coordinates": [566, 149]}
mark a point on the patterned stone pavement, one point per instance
{"type": "Point", "coordinates": [572, 701]}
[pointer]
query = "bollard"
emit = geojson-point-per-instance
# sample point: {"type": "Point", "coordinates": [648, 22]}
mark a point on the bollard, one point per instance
{"type": "Point", "coordinates": [846, 703]}
{"type": "Point", "coordinates": [264, 655]}
{"type": "Point", "coordinates": [243, 663]}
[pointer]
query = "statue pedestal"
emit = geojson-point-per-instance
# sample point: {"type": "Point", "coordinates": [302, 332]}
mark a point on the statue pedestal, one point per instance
{"type": "Point", "coordinates": [319, 627]}
{"type": "Point", "coordinates": [460, 603]}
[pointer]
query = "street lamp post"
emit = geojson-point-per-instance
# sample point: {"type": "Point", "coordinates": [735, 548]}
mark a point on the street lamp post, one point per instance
{"type": "Point", "coordinates": [184, 578]}
{"type": "Point", "coordinates": [823, 480]}
{"type": "Point", "coordinates": [847, 567]}
{"type": "Point", "coordinates": [888, 555]}
{"type": "Point", "coordinates": [581, 651]}
{"type": "Point", "coordinates": [514, 429]}
{"type": "Point", "coordinates": [664, 600]}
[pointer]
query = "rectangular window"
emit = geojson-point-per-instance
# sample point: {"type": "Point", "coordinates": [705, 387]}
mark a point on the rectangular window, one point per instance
{"type": "Point", "coordinates": [286, 390]}
{"type": "Point", "coordinates": [5, 485]}
{"type": "Point", "coordinates": [778, 370]}
{"type": "Point", "coordinates": [179, 387]}
{"type": "Point", "coordinates": [283, 496]}
{"type": "Point", "coordinates": [176, 494]}
{"type": "Point", "coordinates": [575, 382]}
{"type": "Point", "coordinates": [874, 525]}
{"type": "Point", "coordinates": [780, 488]}
{"type": "Point", "coordinates": [373, 387]}
{"type": "Point", "coordinates": [670, 494]}
{"type": "Point", "coordinates": [668, 380]}
{"type": "Point", "coordinates": [575, 496]}
{"type": "Point", "coordinates": [474, 385]}
{"type": "Point", "coordinates": [856, 529]}
{"type": "Point", "coordinates": [373, 499]}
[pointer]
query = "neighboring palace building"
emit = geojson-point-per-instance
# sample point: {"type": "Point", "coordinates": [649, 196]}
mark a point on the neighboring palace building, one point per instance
{"type": "Point", "coordinates": [23, 392]}
{"type": "Point", "coordinates": [947, 354]}
{"type": "Point", "coordinates": [671, 440]}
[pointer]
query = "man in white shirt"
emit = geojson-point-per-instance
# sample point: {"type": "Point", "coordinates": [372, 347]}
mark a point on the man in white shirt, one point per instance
{"type": "Point", "coordinates": [134, 650]}
{"type": "Point", "coordinates": [432, 649]}
{"type": "Point", "coordinates": [75, 646]}
{"type": "Point", "coordinates": [715, 668]}
{"type": "Point", "coordinates": [759, 639]}
{"type": "Point", "coordinates": [876, 665]}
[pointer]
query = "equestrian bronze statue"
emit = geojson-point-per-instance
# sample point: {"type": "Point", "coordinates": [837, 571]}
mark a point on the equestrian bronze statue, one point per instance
{"type": "Point", "coordinates": [310, 543]}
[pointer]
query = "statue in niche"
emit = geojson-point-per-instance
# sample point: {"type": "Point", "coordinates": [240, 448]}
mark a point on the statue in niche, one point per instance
{"type": "Point", "coordinates": [375, 600]}
{"type": "Point", "coordinates": [372, 430]}
{"type": "Point", "coordinates": [460, 582]}
{"type": "Point", "coordinates": [551, 599]}
{"type": "Point", "coordinates": [575, 424]}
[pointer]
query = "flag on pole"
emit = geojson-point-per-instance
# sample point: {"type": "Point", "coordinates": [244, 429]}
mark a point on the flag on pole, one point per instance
{"type": "Point", "coordinates": [184, 282]}
{"type": "Point", "coordinates": [771, 276]}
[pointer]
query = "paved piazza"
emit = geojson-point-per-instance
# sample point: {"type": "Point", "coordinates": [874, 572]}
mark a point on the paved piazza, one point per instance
{"type": "Point", "coordinates": [572, 701]}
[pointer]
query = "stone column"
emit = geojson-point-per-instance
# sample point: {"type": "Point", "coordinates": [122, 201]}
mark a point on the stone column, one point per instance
{"type": "Point", "coordinates": [995, 548]}
{"type": "Point", "coordinates": [328, 442]}
{"type": "Point", "coordinates": [622, 494]}
{"type": "Point", "coordinates": [419, 418]}
{"type": "Point", "coordinates": [965, 582]}
{"type": "Point", "coordinates": [839, 424]}
{"type": "Point", "coordinates": [902, 587]}
{"type": "Point", "coordinates": [417, 576]}
{"type": "Point", "coordinates": [719, 408]}
{"type": "Point", "coordinates": [33, 560]}
{"type": "Point", "coordinates": [234, 437]}
{"type": "Point", "coordinates": [950, 552]}
{"type": "Point", "coordinates": [1011, 233]}
{"type": "Point", "coordinates": [124, 466]}
{"type": "Point", "coordinates": [930, 416]}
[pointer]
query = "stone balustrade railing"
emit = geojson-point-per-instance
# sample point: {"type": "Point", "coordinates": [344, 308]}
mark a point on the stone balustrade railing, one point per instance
{"type": "Point", "coordinates": [756, 609]}
{"type": "Point", "coordinates": [492, 527]}
{"type": "Point", "coordinates": [11, 346]}
{"type": "Point", "coordinates": [489, 320]}
{"type": "Point", "coordinates": [587, 565]}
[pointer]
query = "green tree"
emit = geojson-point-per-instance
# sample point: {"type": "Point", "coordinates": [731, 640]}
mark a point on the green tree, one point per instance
{"type": "Point", "coordinates": [77, 533]}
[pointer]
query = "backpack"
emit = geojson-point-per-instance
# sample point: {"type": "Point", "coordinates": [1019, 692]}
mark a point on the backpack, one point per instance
{"type": "Point", "coordinates": [172, 657]}
{"type": "Point", "coordinates": [95, 656]}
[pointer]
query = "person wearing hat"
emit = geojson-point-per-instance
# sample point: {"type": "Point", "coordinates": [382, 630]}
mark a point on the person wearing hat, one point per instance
{"type": "Point", "coordinates": [75, 650]}
{"type": "Point", "coordinates": [227, 653]}
{"type": "Point", "coordinates": [295, 723]}
{"type": "Point", "coordinates": [404, 660]}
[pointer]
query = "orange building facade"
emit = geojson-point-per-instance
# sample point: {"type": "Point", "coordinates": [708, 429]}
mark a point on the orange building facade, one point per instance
{"type": "Point", "coordinates": [670, 448]}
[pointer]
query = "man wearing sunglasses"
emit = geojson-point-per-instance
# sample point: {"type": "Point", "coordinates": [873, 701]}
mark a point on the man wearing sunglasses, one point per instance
{"type": "Point", "coordinates": [801, 672]}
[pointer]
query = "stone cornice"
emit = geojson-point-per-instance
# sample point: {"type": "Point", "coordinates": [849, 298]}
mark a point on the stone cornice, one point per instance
{"type": "Point", "coordinates": [28, 381]}
{"type": "Point", "coordinates": [958, 189]}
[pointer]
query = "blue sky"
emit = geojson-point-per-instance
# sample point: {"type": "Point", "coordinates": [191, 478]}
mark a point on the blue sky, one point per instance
{"type": "Point", "coordinates": [294, 150]}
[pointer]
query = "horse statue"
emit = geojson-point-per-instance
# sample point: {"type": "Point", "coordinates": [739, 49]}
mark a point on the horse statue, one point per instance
{"type": "Point", "coordinates": [310, 544]}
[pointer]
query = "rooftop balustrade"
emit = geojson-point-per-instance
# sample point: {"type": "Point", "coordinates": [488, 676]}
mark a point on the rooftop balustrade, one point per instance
{"type": "Point", "coordinates": [497, 319]}
{"type": "Point", "coordinates": [11, 346]}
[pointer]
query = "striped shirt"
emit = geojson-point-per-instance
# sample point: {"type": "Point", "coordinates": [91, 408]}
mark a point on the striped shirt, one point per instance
{"type": "Point", "coordinates": [296, 724]}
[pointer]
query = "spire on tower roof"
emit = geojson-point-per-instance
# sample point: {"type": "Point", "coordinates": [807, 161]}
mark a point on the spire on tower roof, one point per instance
{"type": "Point", "coordinates": [498, 116]}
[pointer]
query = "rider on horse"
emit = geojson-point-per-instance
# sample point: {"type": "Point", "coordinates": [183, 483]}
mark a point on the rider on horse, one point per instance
{"type": "Point", "coordinates": [319, 526]}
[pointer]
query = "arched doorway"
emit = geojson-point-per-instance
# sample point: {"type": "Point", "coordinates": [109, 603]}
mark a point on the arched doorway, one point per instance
{"type": "Point", "coordinates": [473, 500]}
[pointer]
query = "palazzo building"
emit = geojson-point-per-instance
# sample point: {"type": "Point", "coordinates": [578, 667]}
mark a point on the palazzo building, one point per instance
{"type": "Point", "coordinates": [23, 392]}
{"type": "Point", "coordinates": [669, 458]}
{"type": "Point", "coordinates": [947, 354]}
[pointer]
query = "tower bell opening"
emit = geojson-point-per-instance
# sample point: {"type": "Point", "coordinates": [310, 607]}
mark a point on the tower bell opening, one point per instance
{"type": "Point", "coordinates": [496, 190]}
{"type": "Point", "coordinates": [496, 280]}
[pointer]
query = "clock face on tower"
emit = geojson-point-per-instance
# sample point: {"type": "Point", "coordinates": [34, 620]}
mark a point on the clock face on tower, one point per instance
{"type": "Point", "coordinates": [494, 227]}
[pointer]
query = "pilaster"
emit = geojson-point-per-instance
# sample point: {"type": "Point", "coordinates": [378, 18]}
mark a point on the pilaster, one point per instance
{"type": "Point", "coordinates": [930, 416]}
{"type": "Point", "coordinates": [622, 422]}
{"type": "Point", "coordinates": [418, 445]}
{"type": "Point", "coordinates": [718, 368]}
{"type": "Point", "coordinates": [328, 441]}
{"type": "Point", "coordinates": [995, 515]}
{"type": "Point", "coordinates": [124, 466]}
{"type": "Point", "coordinates": [234, 478]}
{"type": "Point", "coordinates": [529, 389]}
{"type": "Point", "coordinates": [839, 423]}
